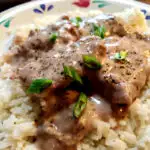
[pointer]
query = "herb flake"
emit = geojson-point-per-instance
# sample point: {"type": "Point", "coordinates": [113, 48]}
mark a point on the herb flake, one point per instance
{"type": "Point", "coordinates": [72, 73]}
{"type": "Point", "coordinates": [99, 31]}
{"type": "Point", "coordinates": [80, 105]}
{"type": "Point", "coordinates": [91, 62]}
{"type": "Point", "coordinates": [121, 55]}
{"type": "Point", "coordinates": [77, 21]}
{"type": "Point", "coordinates": [53, 37]}
{"type": "Point", "coordinates": [38, 85]}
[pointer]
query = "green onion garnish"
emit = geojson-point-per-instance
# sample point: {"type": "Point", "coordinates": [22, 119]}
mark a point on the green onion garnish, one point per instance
{"type": "Point", "coordinates": [53, 37]}
{"type": "Point", "coordinates": [99, 31]}
{"type": "Point", "coordinates": [121, 55]}
{"type": "Point", "coordinates": [72, 73]}
{"type": "Point", "coordinates": [76, 21]}
{"type": "Point", "coordinates": [80, 105]}
{"type": "Point", "coordinates": [91, 62]}
{"type": "Point", "coordinates": [38, 85]}
{"type": "Point", "coordinates": [79, 19]}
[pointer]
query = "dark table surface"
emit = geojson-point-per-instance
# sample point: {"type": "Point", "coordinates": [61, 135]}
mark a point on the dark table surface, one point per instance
{"type": "Point", "coordinates": [5, 4]}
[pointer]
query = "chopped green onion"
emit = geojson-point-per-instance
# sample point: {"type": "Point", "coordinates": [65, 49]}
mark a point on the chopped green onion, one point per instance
{"type": "Point", "coordinates": [80, 105]}
{"type": "Point", "coordinates": [99, 31]}
{"type": "Point", "coordinates": [91, 62]}
{"type": "Point", "coordinates": [121, 55]}
{"type": "Point", "coordinates": [38, 85]}
{"type": "Point", "coordinates": [53, 37]}
{"type": "Point", "coordinates": [72, 73]}
{"type": "Point", "coordinates": [68, 71]}
{"type": "Point", "coordinates": [76, 21]}
{"type": "Point", "coordinates": [79, 19]}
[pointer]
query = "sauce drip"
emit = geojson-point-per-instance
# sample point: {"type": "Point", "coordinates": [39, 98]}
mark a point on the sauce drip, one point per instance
{"type": "Point", "coordinates": [102, 107]}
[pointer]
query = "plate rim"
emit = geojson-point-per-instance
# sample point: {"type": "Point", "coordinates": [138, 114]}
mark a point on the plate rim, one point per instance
{"type": "Point", "coordinates": [20, 8]}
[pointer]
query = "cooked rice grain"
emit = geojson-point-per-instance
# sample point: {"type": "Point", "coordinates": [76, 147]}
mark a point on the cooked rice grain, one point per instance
{"type": "Point", "coordinates": [17, 114]}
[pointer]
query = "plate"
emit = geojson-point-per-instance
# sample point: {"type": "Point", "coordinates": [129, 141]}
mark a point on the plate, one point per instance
{"type": "Point", "coordinates": [26, 13]}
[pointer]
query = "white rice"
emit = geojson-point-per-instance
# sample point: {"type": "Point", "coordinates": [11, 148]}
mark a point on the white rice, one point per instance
{"type": "Point", "coordinates": [18, 112]}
